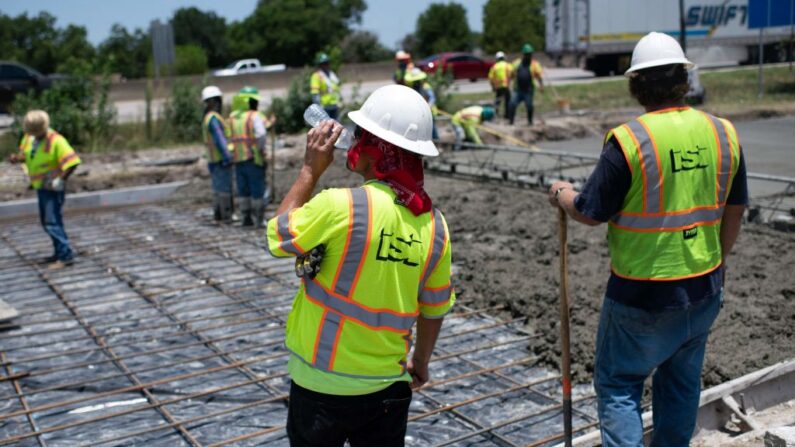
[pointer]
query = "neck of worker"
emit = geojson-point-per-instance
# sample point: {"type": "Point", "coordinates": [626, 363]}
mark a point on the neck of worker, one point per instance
{"type": "Point", "coordinates": [665, 105]}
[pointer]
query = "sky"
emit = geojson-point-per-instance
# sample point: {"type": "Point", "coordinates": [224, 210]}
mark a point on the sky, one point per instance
{"type": "Point", "coordinates": [389, 19]}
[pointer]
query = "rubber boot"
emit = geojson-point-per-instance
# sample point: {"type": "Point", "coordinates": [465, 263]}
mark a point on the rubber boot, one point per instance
{"type": "Point", "coordinates": [226, 207]}
{"type": "Point", "coordinates": [258, 211]}
{"type": "Point", "coordinates": [245, 211]}
{"type": "Point", "coordinates": [216, 207]}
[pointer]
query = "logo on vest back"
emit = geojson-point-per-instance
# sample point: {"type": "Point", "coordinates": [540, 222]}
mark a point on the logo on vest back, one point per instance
{"type": "Point", "coordinates": [393, 248]}
{"type": "Point", "coordinates": [690, 233]}
{"type": "Point", "coordinates": [688, 159]}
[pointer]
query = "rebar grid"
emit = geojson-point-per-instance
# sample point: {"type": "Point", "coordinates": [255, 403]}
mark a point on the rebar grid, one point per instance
{"type": "Point", "coordinates": [159, 266]}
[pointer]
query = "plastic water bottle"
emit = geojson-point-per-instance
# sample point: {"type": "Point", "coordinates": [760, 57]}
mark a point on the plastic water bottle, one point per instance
{"type": "Point", "coordinates": [314, 115]}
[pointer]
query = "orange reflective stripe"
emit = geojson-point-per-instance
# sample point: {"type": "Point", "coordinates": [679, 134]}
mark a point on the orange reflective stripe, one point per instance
{"type": "Point", "coordinates": [347, 240]}
{"type": "Point", "coordinates": [50, 137]}
{"type": "Point", "coordinates": [676, 278]}
{"type": "Point", "coordinates": [66, 159]}
{"type": "Point", "coordinates": [670, 109]}
{"type": "Point", "coordinates": [356, 250]}
{"type": "Point", "coordinates": [335, 344]}
{"type": "Point", "coordinates": [654, 175]}
{"type": "Point", "coordinates": [437, 248]}
{"type": "Point", "coordinates": [648, 223]}
{"type": "Point", "coordinates": [669, 213]}
{"type": "Point", "coordinates": [623, 152]}
{"type": "Point", "coordinates": [287, 241]}
{"type": "Point", "coordinates": [642, 166]}
{"type": "Point", "coordinates": [724, 158]}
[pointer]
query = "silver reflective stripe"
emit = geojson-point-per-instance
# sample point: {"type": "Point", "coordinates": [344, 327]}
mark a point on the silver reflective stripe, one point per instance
{"type": "Point", "coordinates": [328, 334]}
{"type": "Point", "coordinates": [725, 158]}
{"type": "Point", "coordinates": [360, 232]}
{"type": "Point", "coordinates": [652, 168]}
{"type": "Point", "coordinates": [437, 250]}
{"type": "Point", "coordinates": [669, 222]}
{"type": "Point", "coordinates": [377, 319]}
{"type": "Point", "coordinates": [355, 376]}
{"type": "Point", "coordinates": [283, 228]}
{"type": "Point", "coordinates": [435, 296]}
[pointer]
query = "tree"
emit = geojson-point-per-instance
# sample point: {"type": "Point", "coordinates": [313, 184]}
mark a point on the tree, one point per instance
{"type": "Point", "coordinates": [126, 53]}
{"type": "Point", "coordinates": [207, 30]}
{"type": "Point", "coordinates": [363, 46]}
{"type": "Point", "coordinates": [507, 24]}
{"type": "Point", "coordinates": [443, 27]}
{"type": "Point", "coordinates": [189, 59]}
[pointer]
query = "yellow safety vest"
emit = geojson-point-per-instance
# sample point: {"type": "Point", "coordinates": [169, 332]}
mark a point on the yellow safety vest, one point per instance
{"type": "Point", "coordinates": [325, 85]}
{"type": "Point", "coordinates": [213, 154]}
{"type": "Point", "coordinates": [50, 156]}
{"type": "Point", "coordinates": [500, 74]}
{"type": "Point", "coordinates": [683, 162]}
{"type": "Point", "coordinates": [243, 142]}
{"type": "Point", "coordinates": [383, 266]}
{"type": "Point", "coordinates": [469, 116]}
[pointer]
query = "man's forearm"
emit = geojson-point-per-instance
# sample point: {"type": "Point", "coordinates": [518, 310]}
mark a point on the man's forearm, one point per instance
{"type": "Point", "coordinates": [300, 192]}
{"type": "Point", "coordinates": [427, 333]}
{"type": "Point", "coordinates": [730, 227]}
{"type": "Point", "coordinates": [566, 199]}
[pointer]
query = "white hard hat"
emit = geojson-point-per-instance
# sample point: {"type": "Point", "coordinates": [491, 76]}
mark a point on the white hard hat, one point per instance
{"type": "Point", "coordinates": [211, 91]}
{"type": "Point", "coordinates": [500, 55]}
{"type": "Point", "coordinates": [655, 50]}
{"type": "Point", "coordinates": [399, 115]}
{"type": "Point", "coordinates": [401, 55]}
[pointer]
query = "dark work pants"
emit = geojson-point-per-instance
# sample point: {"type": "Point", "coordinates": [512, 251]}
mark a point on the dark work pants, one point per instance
{"type": "Point", "coordinates": [323, 420]}
{"type": "Point", "coordinates": [527, 99]}
{"type": "Point", "coordinates": [503, 94]}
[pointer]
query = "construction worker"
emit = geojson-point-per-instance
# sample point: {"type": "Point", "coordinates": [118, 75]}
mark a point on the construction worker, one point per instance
{"type": "Point", "coordinates": [528, 75]}
{"type": "Point", "coordinates": [405, 65]}
{"type": "Point", "coordinates": [466, 122]}
{"type": "Point", "coordinates": [500, 75]}
{"type": "Point", "coordinates": [672, 186]}
{"type": "Point", "coordinates": [324, 85]}
{"type": "Point", "coordinates": [49, 160]}
{"type": "Point", "coordinates": [248, 128]}
{"type": "Point", "coordinates": [385, 264]}
{"type": "Point", "coordinates": [418, 80]}
{"type": "Point", "coordinates": [219, 160]}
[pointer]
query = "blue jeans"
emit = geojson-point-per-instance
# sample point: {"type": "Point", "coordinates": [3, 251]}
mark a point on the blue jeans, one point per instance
{"type": "Point", "coordinates": [221, 177]}
{"type": "Point", "coordinates": [630, 344]}
{"type": "Point", "coordinates": [250, 179]}
{"type": "Point", "coordinates": [527, 99]}
{"type": "Point", "coordinates": [51, 217]}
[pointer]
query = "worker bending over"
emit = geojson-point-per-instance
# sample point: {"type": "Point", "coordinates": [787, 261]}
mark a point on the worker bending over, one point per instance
{"type": "Point", "coordinates": [466, 122]}
{"type": "Point", "coordinates": [500, 75]}
{"type": "Point", "coordinates": [49, 160]}
{"type": "Point", "coordinates": [384, 264]}
{"type": "Point", "coordinates": [671, 185]}
{"type": "Point", "coordinates": [219, 161]}
{"type": "Point", "coordinates": [324, 86]}
{"type": "Point", "coordinates": [528, 75]}
{"type": "Point", "coordinates": [248, 129]}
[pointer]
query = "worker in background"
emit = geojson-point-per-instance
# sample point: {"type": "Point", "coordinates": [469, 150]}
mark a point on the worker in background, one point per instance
{"type": "Point", "coordinates": [248, 128]}
{"type": "Point", "coordinates": [49, 160]}
{"type": "Point", "coordinates": [466, 122]}
{"type": "Point", "coordinates": [404, 66]}
{"type": "Point", "coordinates": [219, 160]}
{"type": "Point", "coordinates": [418, 80]}
{"type": "Point", "coordinates": [671, 184]}
{"type": "Point", "coordinates": [500, 75]}
{"type": "Point", "coordinates": [528, 75]}
{"type": "Point", "coordinates": [324, 85]}
{"type": "Point", "coordinates": [384, 265]}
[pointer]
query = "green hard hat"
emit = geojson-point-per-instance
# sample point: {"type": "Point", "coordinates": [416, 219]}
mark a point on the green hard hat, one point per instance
{"type": "Point", "coordinates": [322, 58]}
{"type": "Point", "coordinates": [527, 48]}
{"type": "Point", "coordinates": [249, 92]}
{"type": "Point", "coordinates": [487, 114]}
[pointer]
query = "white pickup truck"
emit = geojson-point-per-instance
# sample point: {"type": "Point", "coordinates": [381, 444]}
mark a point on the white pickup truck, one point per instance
{"type": "Point", "coordinates": [245, 66]}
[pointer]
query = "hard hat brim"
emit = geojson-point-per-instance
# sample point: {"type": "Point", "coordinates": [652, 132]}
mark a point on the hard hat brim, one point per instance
{"type": "Point", "coordinates": [425, 148]}
{"type": "Point", "coordinates": [659, 63]}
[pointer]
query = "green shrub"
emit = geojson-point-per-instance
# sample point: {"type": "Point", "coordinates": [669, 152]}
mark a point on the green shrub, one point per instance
{"type": "Point", "coordinates": [183, 113]}
{"type": "Point", "coordinates": [442, 83]}
{"type": "Point", "coordinates": [290, 111]}
{"type": "Point", "coordinates": [189, 59]}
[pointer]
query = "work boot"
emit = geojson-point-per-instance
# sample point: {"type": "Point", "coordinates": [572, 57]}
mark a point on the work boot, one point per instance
{"type": "Point", "coordinates": [226, 207]}
{"type": "Point", "coordinates": [245, 211]}
{"type": "Point", "coordinates": [217, 207]}
{"type": "Point", "coordinates": [61, 263]}
{"type": "Point", "coordinates": [258, 210]}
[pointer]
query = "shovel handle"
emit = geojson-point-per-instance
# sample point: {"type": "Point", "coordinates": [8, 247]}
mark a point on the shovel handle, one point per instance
{"type": "Point", "coordinates": [565, 359]}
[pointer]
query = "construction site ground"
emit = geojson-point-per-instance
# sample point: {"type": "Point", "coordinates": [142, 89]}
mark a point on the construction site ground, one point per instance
{"type": "Point", "coordinates": [505, 252]}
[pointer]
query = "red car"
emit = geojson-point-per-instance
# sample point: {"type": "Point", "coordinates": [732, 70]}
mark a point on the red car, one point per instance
{"type": "Point", "coordinates": [462, 65]}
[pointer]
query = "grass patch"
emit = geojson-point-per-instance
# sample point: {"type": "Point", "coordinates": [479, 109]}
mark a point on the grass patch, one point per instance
{"type": "Point", "coordinates": [727, 92]}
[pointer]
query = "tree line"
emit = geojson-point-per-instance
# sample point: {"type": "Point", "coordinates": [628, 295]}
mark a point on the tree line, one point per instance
{"type": "Point", "coordinates": [277, 31]}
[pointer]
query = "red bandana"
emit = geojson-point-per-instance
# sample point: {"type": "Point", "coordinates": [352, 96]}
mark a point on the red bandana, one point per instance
{"type": "Point", "coordinates": [400, 169]}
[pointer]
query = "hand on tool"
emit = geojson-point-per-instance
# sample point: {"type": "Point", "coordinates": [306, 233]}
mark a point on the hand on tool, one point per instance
{"type": "Point", "coordinates": [556, 189]}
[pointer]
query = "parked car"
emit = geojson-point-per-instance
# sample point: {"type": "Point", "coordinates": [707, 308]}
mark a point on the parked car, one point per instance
{"type": "Point", "coordinates": [244, 66]}
{"type": "Point", "coordinates": [19, 78]}
{"type": "Point", "coordinates": [462, 65]}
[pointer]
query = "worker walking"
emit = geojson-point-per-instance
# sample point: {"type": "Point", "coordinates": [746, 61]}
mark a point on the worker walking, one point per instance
{"type": "Point", "coordinates": [49, 160]}
{"type": "Point", "coordinates": [672, 186]}
{"type": "Point", "coordinates": [404, 66]}
{"type": "Point", "coordinates": [248, 129]}
{"type": "Point", "coordinates": [466, 122]}
{"type": "Point", "coordinates": [219, 161]}
{"type": "Point", "coordinates": [383, 254]}
{"type": "Point", "coordinates": [324, 86]}
{"type": "Point", "coordinates": [500, 75]}
{"type": "Point", "coordinates": [418, 80]}
{"type": "Point", "coordinates": [528, 75]}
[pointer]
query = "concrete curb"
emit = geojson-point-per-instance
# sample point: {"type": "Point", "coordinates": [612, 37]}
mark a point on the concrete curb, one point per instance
{"type": "Point", "coordinates": [95, 199]}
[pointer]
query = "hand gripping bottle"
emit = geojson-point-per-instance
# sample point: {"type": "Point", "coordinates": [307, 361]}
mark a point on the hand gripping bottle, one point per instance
{"type": "Point", "coordinates": [314, 115]}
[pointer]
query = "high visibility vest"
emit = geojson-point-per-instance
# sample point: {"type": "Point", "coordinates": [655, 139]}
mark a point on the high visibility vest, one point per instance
{"type": "Point", "coordinates": [243, 141]}
{"type": "Point", "coordinates": [469, 116]}
{"type": "Point", "coordinates": [325, 85]}
{"type": "Point", "coordinates": [500, 74]}
{"type": "Point", "coordinates": [214, 155]}
{"type": "Point", "coordinates": [400, 73]}
{"type": "Point", "coordinates": [382, 267]}
{"type": "Point", "coordinates": [536, 71]}
{"type": "Point", "coordinates": [50, 156]}
{"type": "Point", "coordinates": [683, 162]}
